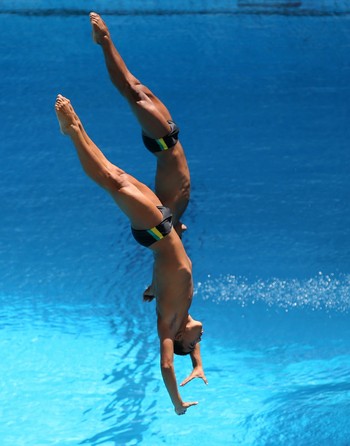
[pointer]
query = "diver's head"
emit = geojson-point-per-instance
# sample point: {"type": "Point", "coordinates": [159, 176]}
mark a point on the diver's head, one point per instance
{"type": "Point", "coordinates": [188, 336]}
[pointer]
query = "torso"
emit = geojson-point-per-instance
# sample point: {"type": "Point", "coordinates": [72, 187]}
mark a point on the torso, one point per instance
{"type": "Point", "coordinates": [172, 279]}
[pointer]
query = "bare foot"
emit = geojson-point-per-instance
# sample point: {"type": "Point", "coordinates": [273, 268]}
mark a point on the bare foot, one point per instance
{"type": "Point", "coordinates": [66, 116]}
{"type": "Point", "coordinates": [148, 295]}
{"type": "Point", "coordinates": [100, 31]}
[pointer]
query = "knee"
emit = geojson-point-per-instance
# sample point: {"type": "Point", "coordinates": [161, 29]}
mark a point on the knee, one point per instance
{"type": "Point", "coordinates": [134, 92]}
{"type": "Point", "coordinates": [130, 89]}
{"type": "Point", "coordinates": [114, 179]}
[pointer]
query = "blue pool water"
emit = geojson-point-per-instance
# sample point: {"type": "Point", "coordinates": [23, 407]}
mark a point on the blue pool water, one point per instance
{"type": "Point", "coordinates": [261, 94]}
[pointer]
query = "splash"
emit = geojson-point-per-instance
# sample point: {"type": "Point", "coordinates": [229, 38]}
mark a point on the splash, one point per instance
{"type": "Point", "coordinates": [318, 293]}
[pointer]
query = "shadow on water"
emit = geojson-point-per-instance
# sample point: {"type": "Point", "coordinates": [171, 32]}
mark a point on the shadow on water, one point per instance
{"type": "Point", "coordinates": [315, 414]}
{"type": "Point", "coordinates": [132, 408]}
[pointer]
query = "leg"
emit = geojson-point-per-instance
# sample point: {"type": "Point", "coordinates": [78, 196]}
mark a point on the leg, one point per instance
{"type": "Point", "coordinates": [151, 113]}
{"type": "Point", "coordinates": [135, 199]}
{"type": "Point", "coordinates": [172, 176]}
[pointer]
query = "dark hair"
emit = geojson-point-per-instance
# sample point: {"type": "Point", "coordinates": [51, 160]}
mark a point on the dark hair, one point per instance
{"type": "Point", "coordinates": [179, 349]}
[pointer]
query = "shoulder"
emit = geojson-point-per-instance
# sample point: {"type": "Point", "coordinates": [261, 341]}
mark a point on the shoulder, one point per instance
{"type": "Point", "coordinates": [167, 324]}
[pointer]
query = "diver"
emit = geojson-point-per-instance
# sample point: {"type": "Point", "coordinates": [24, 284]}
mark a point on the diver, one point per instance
{"type": "Point", "coordinates": [151, 226]}
{"type": "Point", "coordinates": [160, 134]}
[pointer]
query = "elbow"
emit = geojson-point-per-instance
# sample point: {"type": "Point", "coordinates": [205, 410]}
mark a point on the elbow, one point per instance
{"type": "Point", "coordinates": [166, 365]}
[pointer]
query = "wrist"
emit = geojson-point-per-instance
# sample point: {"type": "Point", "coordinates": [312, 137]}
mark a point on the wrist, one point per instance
{"type": "Point", "coordinates": [177, 403]}
{"type": "Point", "coordinates": [178, 408]}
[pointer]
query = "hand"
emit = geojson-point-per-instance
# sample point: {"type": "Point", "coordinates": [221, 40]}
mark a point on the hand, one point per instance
{"type": "Point", "coordinates": [148, 294]}
{"type": "Point", "coordinates": [181, 409]}
{"type": "Point", "coordinates": [197, 372]}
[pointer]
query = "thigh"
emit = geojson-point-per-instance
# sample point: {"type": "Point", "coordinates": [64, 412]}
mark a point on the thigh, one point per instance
{"type": "Point", "coordinates": [151, 113]}
{"type": "Point", "coordinates": [137, 202]}
{"type": "Point", "coordinates": [145, 190]}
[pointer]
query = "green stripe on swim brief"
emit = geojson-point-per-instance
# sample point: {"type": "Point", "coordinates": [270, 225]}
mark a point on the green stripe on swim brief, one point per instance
{"type": "Point", "coordinates": [161, 143]}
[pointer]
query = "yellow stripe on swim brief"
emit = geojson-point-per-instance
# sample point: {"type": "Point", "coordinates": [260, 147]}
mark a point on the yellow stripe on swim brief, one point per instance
{"type": "Point", "coordinates": [155, 233]}
{"type": "Point", "coordinates": [162, 144]}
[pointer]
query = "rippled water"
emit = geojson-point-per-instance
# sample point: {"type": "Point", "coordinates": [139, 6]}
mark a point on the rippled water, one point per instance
{"type": "Point", "coordinates": [262, 102]}
{"type": "Point", "coordinates": [87, 373]}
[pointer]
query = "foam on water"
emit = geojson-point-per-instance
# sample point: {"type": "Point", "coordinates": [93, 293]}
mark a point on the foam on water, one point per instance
{"type": "Point", "coordinates": [322, 292]}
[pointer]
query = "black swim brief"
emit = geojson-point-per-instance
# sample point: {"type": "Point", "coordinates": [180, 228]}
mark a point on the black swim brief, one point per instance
{"type": "Point", "coordinates": [165, 143]}
{"type": "Point", "coordinates": [146, 237]}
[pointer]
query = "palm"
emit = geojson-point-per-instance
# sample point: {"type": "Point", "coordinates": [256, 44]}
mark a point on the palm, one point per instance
{"type": "Point", "coordinates": [196, 373]}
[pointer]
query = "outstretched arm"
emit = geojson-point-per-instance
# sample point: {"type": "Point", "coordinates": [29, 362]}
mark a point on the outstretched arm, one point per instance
{"type": "Point", "coordinates": [168, 371]}
{"type": "Point", "coordinates": [197, 371]}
